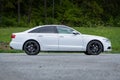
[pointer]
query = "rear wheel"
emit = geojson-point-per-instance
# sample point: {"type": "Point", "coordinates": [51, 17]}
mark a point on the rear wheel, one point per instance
{"type": "Point", "coordinates": [31, 48]}
{"type": "Point", "coordinates": [94, 48]}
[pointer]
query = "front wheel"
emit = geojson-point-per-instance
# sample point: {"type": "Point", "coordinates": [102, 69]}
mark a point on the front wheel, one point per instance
{"type": "Point", "coordinates": [31, 48]}
{"type": "Point", "coordinates": [94, 48]}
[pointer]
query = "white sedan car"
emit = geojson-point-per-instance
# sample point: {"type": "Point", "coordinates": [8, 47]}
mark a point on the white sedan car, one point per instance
{"type": "Point", "coordinates": [58, 38]}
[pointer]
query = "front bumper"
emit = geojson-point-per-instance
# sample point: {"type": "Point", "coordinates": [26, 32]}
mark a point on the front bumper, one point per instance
{"type": "Point", "coordinates": [107, 46]}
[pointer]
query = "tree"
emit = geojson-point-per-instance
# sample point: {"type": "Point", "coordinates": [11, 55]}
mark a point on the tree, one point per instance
{"type": "Point", "coordinates": [30, 11]}
{"type": "Point", "coordinates": [1, 11]}
{"type": "Point", "coordinates": [45, 10]}
{"type": "Point", "coordinates": [53, 8]}
{"type": "Point", "coordinates": [18, 3]}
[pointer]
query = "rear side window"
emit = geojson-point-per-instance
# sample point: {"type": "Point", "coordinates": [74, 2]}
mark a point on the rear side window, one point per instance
{"type": "Point", "coordinates": [45, 29]}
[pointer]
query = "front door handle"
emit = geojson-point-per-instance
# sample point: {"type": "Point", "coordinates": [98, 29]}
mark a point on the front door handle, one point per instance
{"type": "Point", "coordinates": [61, 36]}
{"type": "Point", "coordinates": [40, 36]}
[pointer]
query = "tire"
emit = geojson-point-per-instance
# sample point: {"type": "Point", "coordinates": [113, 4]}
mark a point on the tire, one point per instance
{"type": "Point", "coordinates": [94, 48]}
{"type": "Point", "coordinates": [31, 47]}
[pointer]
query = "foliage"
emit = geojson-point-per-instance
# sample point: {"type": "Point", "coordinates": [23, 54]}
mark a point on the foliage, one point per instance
{"type": "Point", "coordinates": [88, 13]}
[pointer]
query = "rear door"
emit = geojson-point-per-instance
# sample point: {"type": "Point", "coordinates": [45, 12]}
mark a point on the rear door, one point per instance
{"type": "Point", "coordinates": [48, 38]}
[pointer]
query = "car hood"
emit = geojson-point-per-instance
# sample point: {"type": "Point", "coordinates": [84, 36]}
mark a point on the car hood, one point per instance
{"type": "Point", "coordinates": [93, 36]}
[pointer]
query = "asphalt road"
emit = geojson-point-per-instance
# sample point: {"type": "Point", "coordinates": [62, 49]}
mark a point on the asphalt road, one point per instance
{"type": "Point", "coordinates": [59, 66]}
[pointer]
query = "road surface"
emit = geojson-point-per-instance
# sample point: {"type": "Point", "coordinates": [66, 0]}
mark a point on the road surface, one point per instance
{"type": "Point", "coordinates": [59, 66]}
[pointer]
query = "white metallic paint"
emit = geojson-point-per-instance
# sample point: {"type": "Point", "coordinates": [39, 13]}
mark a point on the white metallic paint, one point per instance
{"type": "Point", "coordinates": [57, 42]}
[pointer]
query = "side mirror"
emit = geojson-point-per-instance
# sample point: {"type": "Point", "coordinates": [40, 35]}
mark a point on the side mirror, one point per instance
{"type": "Point", "coordinates": [75, 33]}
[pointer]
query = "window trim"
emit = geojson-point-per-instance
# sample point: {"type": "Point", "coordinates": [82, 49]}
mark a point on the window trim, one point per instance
{"type": "Point", "coordinates": [55, 30]}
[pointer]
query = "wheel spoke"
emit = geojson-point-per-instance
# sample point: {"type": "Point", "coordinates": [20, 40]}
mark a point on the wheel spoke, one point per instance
{"type": "Point", "coordinates": [94, 47]}
{"type": "Point", "coordinates": [31, 47]}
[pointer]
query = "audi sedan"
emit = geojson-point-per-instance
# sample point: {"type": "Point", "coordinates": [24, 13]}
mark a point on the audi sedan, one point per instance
{"type": "Point", "coordinates": [58, 38]}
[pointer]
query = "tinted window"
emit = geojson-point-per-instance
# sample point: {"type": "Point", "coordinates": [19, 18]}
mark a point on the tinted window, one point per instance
{"type": "Point", "coordinates": [64, 30]}
{"type": "Point", "coordinates": [45, 29]}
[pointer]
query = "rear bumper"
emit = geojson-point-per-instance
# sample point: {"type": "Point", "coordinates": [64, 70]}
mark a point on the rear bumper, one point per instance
{"type": "Point", "coordinates": [16, 45]}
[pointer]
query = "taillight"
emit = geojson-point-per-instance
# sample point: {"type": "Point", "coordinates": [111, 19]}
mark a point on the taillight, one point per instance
{"type": "Point", "coordinates": [13, 36]}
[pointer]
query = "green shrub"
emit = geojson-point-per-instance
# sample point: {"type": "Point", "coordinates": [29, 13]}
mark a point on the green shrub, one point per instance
{"type": "Point", "coordinates": [8, 21]}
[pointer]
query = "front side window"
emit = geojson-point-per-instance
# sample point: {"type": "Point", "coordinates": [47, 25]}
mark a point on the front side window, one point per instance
{"type": "Point", "coordinates": [45, 29]}
{"type": "Point", "coordinates": [64, 30]}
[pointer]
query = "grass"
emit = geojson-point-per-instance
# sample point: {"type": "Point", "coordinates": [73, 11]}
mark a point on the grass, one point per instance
{"type": "Point", "coordinates": [110, 32]}
{"type": "Point", "coordinates": [5, 38]}
{"type": "Point", "coordinates": [113, 33]}
{"type": "Point", "coordinates": [5, 33]}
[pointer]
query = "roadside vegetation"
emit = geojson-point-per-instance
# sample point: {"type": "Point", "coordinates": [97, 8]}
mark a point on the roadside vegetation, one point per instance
{"type": "Point", "coordinates": [110, 32]}
{"type": "Point", "coordinates": [96, 17]}
{"type": "Point", "coordinates": [5, 38]}
{"type": "Point", "coordinates": [87, 13]}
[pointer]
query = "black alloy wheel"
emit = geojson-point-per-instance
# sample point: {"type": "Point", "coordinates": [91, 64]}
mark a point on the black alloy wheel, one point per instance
{"type": "Point", "coordinates": [31, 48]}
{"type": "Point", "coordinates": [94, 48]}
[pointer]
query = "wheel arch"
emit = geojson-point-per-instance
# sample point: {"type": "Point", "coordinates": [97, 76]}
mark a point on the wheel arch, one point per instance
{"type": "Point", "coordinates": [30, 40]}
{"type": "Point", "coordinates": [95, 40]}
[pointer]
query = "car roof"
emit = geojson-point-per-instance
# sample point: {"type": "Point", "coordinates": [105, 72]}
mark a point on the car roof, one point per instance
{"type": "Point", "coordinates": [53, 25]}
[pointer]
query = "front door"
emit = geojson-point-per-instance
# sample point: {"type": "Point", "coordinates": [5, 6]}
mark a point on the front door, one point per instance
{"type": "Point", "coordinates": [67, 40]}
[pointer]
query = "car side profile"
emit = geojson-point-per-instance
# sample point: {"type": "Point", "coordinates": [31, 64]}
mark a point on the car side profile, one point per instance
{"type": "Point", "coordinates": [58, 38]}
